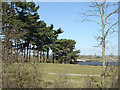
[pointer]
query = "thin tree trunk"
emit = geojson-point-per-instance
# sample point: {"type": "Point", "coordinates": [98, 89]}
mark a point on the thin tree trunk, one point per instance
{"type": "Point", "coordinates": [34, 55]}
{"type": "Point", "coordinates": [53, 57]}
{"type": "Point", "coordinates": [22, 47]}
{"type": "Point", "coordinates": [103, 47]}
{"type": "Point", "coordinates": [43, 57]}
{"type": "Point", "coordinates": [22, 51]}
{"type": "Point", "coordinates": [17, 52]}
{"type": "Point", "coordinates": [40, 55]}
{"type": "Point", "coordinates": [24, 55]}
{"type": "Point", "coordinates": [3, 52]}
{"type": "Point", "coordinates": [47, 55]}
{"type": "Point", "coordinates": [11, 48]}
{"type": "Point", "coordinates": [61, 61]}
{"type": "Point", "coordinates": [29, 52]}
{"type": "Point", "coordinates": [7, 46]}
{"type": "Point", "coordinates": [6, 51]}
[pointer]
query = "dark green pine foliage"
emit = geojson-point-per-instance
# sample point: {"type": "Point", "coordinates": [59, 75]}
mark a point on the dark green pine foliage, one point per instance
{"type": "Point", "coordinates": [5, 32]}
{"type": "Point", "coordinates": [32, 23]}
{"type": "Point", "coordinates": [44, 38]}
{"type": "Point", "coordinates": [65, 50]}
{"type": "Point", "coordinates": [23, 33]}
{"type": "Point", "coordinates": [54, 38]}
{"type": "Point", "coordinates": [38, 38]}
{"type": "Point", "coordinates": [28, 14]}
{"type": "Point", "coordinates": [19, 32]}
{"type": "Point", "coordinates": [74, 55]}
{"type": "Point", "coordinates": [12, 29]}
{"type": "Point", "coordinates": [51, 36]}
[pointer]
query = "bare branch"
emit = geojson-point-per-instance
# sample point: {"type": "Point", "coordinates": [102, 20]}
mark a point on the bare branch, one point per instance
{"type": "Point", "coordinates": [94, 15]}
{"type": "Point", "coordinates": [99, 8]}
{"type": "Point", "coordinates": [117, 10]}
{"type": "Point", "coordinates": [110, 28]}
{"type": "Point", "coordinates": [94, 21]}
{"type": "Point", "coordinates": [85, 16]}
{"type": "Point", "coordinates": [90, 13]}
{"type": "Point", "coordinates": [111, 5]}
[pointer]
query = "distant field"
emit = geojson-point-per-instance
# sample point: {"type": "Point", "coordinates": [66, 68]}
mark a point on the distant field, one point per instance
{"type": "Point", "coordinates": [29, 72]}
{"type": "Point", "coordinates": [62, 68]}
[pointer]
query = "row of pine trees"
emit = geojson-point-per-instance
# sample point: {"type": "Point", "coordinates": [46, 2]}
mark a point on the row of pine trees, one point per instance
{"type": "Point", "coordinates": [26, 38]}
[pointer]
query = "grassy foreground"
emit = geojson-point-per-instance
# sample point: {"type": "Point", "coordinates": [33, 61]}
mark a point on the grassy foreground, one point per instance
{"type": "Point", "coordinates": [37, 75]}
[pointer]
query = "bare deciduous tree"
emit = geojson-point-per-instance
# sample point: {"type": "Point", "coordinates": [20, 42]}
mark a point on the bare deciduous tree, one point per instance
{"type": "Point", "coordinates": [106, 13]}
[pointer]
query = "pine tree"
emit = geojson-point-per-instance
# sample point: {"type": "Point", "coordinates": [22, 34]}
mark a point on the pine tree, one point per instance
{"type": "Point", "coordinates": [65, 50]}
{"type": "Point", "coordinates": [28, 14]}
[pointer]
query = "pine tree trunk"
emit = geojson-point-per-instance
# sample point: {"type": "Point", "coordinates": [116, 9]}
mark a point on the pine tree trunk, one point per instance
{"type": "Point", "coordinates": [34, 55]}
{"type": "Point", "coordinates": [6, 51]}
{"type": "Point", "coordinates": [17, 53]}
{"type": "Point", "coordinates": [37, 55]}
{"type": "Point", "coordinates": [40, 55]}
{"type": "Point", "coordinates": [3, 52]}
{"type": "Point", "coordinates": [43, 57]}
{"type": "Point", "coordinates": [33, 52]}
{"type": "Point", "coordinates": [11, 48]}
{"type": "Point", "coordinates": [48, 56]}
{"type": "Point", "coordinates": [22, 47]}
{"type": "Point", "coordinates": [53, 57]}
{"type": "Point", "coordinates": [22, 51]}
{"type": "Point", "coordinates": [24, 54]}
{"type": "Point", "coordinates": [29, 52]}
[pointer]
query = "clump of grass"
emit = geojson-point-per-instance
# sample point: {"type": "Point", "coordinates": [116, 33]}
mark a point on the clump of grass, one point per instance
{"type": "Point", "coordinates": [90, 82]}
{"type": "Point", "coordinates": [21, 75]}
{"type": "Point", "coordinates": [61, 81]}
{"type": "Point", "coordinates": [111, 77]}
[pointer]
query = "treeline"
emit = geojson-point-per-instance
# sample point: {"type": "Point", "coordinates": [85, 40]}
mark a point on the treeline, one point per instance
{"type": "Point", "coordinates": [26, 38]}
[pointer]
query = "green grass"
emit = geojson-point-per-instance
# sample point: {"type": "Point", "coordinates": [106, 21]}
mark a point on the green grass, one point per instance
{"type": "Point", "coordinates": [74, 69]}
{"type": "Point", "coordinates": [36, 75]}
{"type": "Point", "coordinates": [62, 68]}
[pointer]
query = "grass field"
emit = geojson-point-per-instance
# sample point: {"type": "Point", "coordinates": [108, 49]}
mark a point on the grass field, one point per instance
{"type": "Point", "coordinates": [37, 75]}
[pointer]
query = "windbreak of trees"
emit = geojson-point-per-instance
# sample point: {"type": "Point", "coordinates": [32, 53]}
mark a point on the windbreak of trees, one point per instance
{"type": "Point", "coordinates": [26, 38]}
